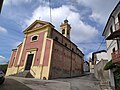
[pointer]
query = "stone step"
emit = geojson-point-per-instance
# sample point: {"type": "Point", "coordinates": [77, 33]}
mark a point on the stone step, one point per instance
{"type": "Point", "coordinates": [25, 74]}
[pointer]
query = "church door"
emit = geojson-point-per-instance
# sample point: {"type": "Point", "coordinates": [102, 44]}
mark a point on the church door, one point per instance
{"type": "Point", "coordinates": [29, 61]}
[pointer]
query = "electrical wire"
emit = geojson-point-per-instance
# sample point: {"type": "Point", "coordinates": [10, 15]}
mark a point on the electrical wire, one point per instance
{"type": "Point", "coordinates": [91, 43]}
{"type": "Point", "coordinates": [100, 44]}
{"type": "Point", "coordinates": [111, 45]}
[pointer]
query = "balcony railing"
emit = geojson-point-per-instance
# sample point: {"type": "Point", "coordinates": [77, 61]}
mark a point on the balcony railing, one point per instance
{"type": "Point", "coordinates": [117, 25]}
{"type": "Point", "coordinates": [116, 56]}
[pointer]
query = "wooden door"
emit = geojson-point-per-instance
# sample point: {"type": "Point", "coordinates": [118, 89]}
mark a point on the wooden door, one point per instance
{"type": "Point", "coordinates": [29, 61]}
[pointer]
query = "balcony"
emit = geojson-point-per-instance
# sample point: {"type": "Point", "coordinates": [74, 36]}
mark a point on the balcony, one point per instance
{"type": "Point", "coordinates": [116, 33]}
{"type": "Point", "coordinates": [116, 57]}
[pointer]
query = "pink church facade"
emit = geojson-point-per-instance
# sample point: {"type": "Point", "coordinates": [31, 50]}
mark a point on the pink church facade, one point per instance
{"type": "Point", "coordinates": [46, 54]}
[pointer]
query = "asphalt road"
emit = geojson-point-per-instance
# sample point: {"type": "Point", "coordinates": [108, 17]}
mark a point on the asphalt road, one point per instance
{"type": "Point", "coordinates": [11, 84]}
{"type": "Point", "coordinates": [18, 83]}
{"type": "Point", "coordinates": [87, 82]}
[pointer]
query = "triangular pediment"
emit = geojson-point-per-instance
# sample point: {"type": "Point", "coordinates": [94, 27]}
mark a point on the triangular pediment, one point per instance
{"type": "Point", "coordinates": [37, 24]}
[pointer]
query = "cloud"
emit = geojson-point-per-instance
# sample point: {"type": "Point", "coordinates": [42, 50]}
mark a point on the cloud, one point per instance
{"type": "Point", "coordinates": [89, 55]}
{"type": "Point", "coordinates": [84, 16]}
{"type": "Point", "coordinates": [3, 30]}
{"type": "Point", "coordinates": [80, 31]}
{"type": "Point", "coordinates": [16, 2]}
{"type": "Point", "coordinates": [100, 9]}
{"type": "Point", "coordinates": [2, 59]}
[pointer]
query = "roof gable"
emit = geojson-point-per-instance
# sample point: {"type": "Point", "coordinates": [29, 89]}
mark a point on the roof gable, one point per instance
{"type": "Point", "coordinates": [111, 16]}
{"type": "Point", "coordinates": [37, 24]}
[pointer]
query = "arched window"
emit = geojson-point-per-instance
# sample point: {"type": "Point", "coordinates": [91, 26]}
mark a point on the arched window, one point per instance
{"type": "Point", "coordinates": [34, 38]}
{"type": "Point", "coordinates": [65, 44]}
{"type": "Point", "coordinates": [63, 31]}
{"type": "Point", "coordinates": [56, 38]}
{"type": "Point", "coordinates": [73, 49]}
{"type": "Point", "coordinates": [68, 33]}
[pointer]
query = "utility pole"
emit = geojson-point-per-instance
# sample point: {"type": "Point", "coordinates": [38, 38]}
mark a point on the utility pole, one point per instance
{"type": "Point", "coordinates": [1, 4]}
{"type": "Point", "coordinates": [50, 11]}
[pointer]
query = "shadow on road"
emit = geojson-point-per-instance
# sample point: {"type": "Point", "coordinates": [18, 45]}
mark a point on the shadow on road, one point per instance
{"type": "Point", "coordinates": [11, 84]}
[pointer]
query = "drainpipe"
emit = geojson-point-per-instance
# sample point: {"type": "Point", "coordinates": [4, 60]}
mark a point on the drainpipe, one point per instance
{"type": "Point", "coordinates": [71, 64]}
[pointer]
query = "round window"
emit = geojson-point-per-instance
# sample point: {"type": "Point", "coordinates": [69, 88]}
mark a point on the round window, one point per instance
{"type": "Point", "coordinates": [34, 38]}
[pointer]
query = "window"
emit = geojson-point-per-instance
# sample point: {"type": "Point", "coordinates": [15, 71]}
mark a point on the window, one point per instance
{"type": "Point", "coordinates": [72, 49]}
{"type": "Point", "coordinates": [111, 29]}
{"type": "Point", "coordinates": [119, 16]}
{"type": "Point", "coordinates": [56, 38]}
{"type": "Point", "coordinates": [113, 50]}
{"type": "Point", "coordinates": [63, 31]}
{"type": "Point", "coordinates": [118, 43]}
{"type": "Point", "coordinates": [65, 45]}
{"type": "Point", "coordinates": [34, 38]}
{"type": "Point", "coordinates": [68, 33]}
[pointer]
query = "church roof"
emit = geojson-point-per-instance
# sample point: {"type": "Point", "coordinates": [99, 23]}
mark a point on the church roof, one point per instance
{"type": "Point", "coordinates": [36, 24]}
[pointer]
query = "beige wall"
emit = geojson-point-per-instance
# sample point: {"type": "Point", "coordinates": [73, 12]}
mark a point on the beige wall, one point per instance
{"type": "Point", "coordinates": [91, 67]}
{"type": "Point", "coordinates": [100, 73]}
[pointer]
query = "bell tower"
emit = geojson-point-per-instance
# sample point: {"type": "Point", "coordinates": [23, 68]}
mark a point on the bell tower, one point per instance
{"type": "Point", "coordinates": [65, 29]}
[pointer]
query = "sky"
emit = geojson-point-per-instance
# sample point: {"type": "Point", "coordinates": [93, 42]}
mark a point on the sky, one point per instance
{"type": "Point", "coordinates": [86, 17]}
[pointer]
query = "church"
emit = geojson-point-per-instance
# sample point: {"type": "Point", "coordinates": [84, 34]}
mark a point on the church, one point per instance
{"type": "Point", "coordinates": [46, 53]}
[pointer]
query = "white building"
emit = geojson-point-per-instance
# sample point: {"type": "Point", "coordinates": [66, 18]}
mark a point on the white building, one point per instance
{"type": "Point", "coordinates": [98, 56]}
{"type": "Point", "coordinates": [112, 35]}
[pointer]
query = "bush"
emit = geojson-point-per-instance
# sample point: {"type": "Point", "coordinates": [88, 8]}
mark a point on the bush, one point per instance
{"type": "Point", "coordinates": [4, 67]}
{"type": "Point", "coordinates": [109, 65]}
{"type": "Point", "coordinates": [117, 79]}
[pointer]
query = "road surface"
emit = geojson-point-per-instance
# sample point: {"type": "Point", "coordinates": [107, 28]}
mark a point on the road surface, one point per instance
{"type": "Point", "coordinates": [87, 82]}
